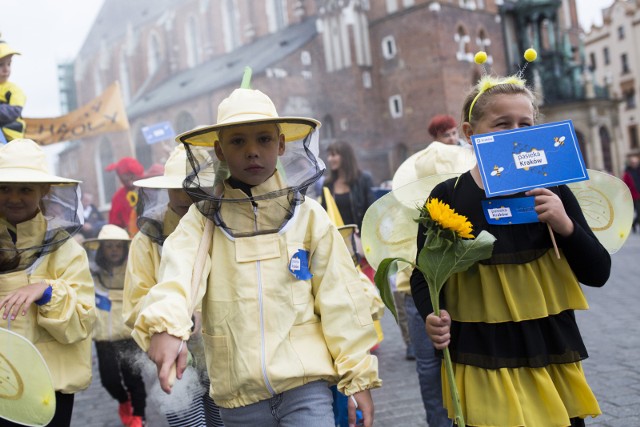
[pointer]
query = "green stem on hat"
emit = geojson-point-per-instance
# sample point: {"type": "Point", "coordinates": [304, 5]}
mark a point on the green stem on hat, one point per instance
{"type": "Point", "coordinates": [246, 79]}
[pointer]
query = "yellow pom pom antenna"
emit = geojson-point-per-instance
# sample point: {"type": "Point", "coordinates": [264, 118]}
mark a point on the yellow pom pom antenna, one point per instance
{"type": "Point", "coordinates": [480, 57]}
{"type": "Point", "coordinates": [530, 54]}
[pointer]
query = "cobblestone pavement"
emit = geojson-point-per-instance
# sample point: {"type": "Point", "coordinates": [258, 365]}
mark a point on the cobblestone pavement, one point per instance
{"type": "Point", "coordinates": [610, 330]}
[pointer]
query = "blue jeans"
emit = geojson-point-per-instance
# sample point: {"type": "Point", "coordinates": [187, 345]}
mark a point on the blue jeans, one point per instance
{"type": "Point", "coordinates": [427, 366]}
{"type": "Point", "coordinates": [309, 405]}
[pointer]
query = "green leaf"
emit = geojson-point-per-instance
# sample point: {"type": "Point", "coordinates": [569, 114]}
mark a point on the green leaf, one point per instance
{"type": "Point", "coordinates": [388, 267]}
{"type": "Point", "coordinates": [471, 251]}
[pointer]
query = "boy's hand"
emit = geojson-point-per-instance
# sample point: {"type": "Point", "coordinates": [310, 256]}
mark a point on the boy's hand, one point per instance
{"type": "Point", "coordinates": [21, 299]}
{"type": "Point", "coordinates": [170, 356]}
{"type": "Point", "coordinates": [439, 329]}
{"type": "Point", "coordinates": [551, 211]}
{"type": "Point", "coordinates": [365, 404]}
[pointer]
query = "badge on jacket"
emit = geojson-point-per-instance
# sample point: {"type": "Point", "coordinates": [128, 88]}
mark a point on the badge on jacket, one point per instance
{"type": "Point", "coordinates": [299, 265]}
{"type": "Point", "coordinates": [103, 302]}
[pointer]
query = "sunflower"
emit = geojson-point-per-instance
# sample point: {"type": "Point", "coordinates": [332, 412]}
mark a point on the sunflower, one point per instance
{"type": "Point", "coordinates": [448, 219]}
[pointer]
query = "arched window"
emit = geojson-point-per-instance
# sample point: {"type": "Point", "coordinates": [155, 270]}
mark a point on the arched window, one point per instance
{"type": "Point", "coordinates": [484, 43]}
{"type": "Point", "coordinates": [605, 143]}
{"type": "Point", "coordinates": [230, 24]}
{"type": "Point", "coordinates": [184, 122]}
{"type": "Point", "coordinates": [389, 48]}
{"type": "Point", "coordinates": [583, 147]}
{"type": "Point", "coordinates": [191, 40]}
{"type": "Point", "coordinates": [154, 55]}
{"type": "Point", "coordinates": [125, 87]}
{"type": "Point", "coordinates": [328, 127]}
{"type": "Point", "coordinates": [462, 39]}
{"type": "Point", "coordinates": [97, 81]}
{"type": "Point", "coordinates": [276, 14]}
{"type": "Point", "coordinates": [107, 181]}
{"type": "Point", "coordinates": [143, 151]}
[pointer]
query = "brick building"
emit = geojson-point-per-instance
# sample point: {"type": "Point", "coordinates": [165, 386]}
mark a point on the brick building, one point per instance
{"type": "Point", "coordinates": [373, 71]}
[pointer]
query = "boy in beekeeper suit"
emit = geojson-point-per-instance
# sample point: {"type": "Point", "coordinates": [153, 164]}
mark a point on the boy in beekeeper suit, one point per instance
{"type": "Point", "coordinates": [284, 311]}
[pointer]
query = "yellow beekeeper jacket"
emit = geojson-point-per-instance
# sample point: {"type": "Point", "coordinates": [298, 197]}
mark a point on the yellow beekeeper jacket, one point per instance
{"type": "Point", "coordinates": [142, 268]}
{"type": "Point", "coordinates": [109, 323]}
{"type": "Point", "coordinates": [60, 329]}
{"type": "Point", "coordinates": [266, 331]}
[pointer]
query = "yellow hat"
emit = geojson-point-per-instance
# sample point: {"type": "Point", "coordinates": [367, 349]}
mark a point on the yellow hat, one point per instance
{"type": "Point", "coordinates": [437, 158]}
{"type": "Point", "coordinates": [175, 171]}
{"type": "Point", "coordinates": [107, 232]}
{"type": "Point", "coordinates": [244, 106]}
{"type": "Point", "coordinates": [22, 160]}
{"type": "Point", "coordinates": [6, 50]}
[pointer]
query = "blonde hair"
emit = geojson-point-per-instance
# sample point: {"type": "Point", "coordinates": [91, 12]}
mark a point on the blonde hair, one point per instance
{"type": "Point", "coordinates": [478, 98]}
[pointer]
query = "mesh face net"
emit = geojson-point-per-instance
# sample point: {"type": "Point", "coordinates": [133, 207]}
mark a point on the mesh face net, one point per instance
{"type": "Point", "coordinates": [151, 209]}
{"type": "Point", "coordinates": [61, 210]}
{"type": "Point", "coordinates": [270, 205]}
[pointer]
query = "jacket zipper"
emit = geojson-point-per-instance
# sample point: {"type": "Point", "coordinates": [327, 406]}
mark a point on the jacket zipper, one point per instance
{"type": "Point", "coordinates": [260, 304]}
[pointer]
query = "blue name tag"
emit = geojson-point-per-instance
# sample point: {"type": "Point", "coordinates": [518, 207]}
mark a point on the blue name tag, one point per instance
{"type": "Point", "coordinates": [103, 302]}
{"type": "Point", "coordinates": [299, 265]}
{"type": "Point", "coordinates": [517, 210]}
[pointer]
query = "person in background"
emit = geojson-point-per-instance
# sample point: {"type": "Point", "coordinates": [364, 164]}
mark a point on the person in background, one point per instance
{"type": "Point", "coordinates": [93, 219]}
{"type": "Point", "coordinates": [443, 128]}
{"type": "Point", "coordinates": [631, 177]}
{"type": "Point", "coordinates": [116, 350]}
{"type": "Point", "coordinates": [161, 203]}
{"type": "Point", "coordinates": [12, 98]}
{"type": "Point", "coordinates": [352, 190]}
{"type": "Point", "coordinates": [47, 292]}
{"type": "Point", "coordinates": [128, 170]}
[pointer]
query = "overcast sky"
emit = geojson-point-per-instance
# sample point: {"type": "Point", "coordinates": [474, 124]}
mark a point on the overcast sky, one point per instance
{"type": "Point", "coordinates": [48, 32]}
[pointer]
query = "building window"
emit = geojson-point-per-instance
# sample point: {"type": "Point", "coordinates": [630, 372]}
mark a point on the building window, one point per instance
{"type": "Point", "coordinates": [408, 3]}
{"type": "Point", "coordinates": [366, 80]}
{"type": "Point", "coordinates": [389, 49]}
{"type": "Point", "coordinates": [153, 54]}
{"type": "Point", "coordinates": [621, 33]}
{"type": "Point", "coordinates": [123, 70]}
{"type": "Point", "coordinates": [185, 122]}
{"type": "Point", "coordinates": [592, 61]}
{"type": "Point", "coordinates": [605, 53]}
{"type": "Point", "coordinates": [633, 137]}
{"type": "Point", "coordinates": [624, 63]}
{"type": "Point", "coordinates": [395, 106]}
{"type": "Point", "coordinates": [629, 98]}
{"type": "Point", "coordinates": [191, 40]}
{"type": "Point", "coordinates": [328, 127]}
{"type": "Point", "coordinates": [462, 39]}
{"type": "Point", "coordinates": [468, 4]}
{"type": "Point", "coordinates": [484, 43]}
{"type": "Point", "coordinates": [106, 181]}
{"type": "Point", "coordinates": [392, 6]}
{"type": "Point", "coordinates": [97, 82]}
{"type": "Point", "coordinates": [276, 14]}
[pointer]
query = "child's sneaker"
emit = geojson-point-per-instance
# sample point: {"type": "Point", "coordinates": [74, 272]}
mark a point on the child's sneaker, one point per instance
{"type": "Point", "coordinates": [125, 410]}
{"type": "Point", "coordinates": [136, 421]}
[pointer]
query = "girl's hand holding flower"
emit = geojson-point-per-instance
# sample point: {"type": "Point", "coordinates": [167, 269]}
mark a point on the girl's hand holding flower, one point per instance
{"type": "Point", "coordinates": [439, 329]}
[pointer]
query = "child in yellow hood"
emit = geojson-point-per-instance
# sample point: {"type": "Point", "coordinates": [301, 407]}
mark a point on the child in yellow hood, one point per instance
{"type": "Point", "coordinates": [284, 311]}
{"type": "Point", "coordinates": [161, 203]}
{"type": "Point", "coordinates": [46, 291]}
{"type": "Point", "coordinates": [115, 349]}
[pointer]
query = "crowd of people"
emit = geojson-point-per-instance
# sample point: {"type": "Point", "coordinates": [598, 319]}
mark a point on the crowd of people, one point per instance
{"type": "Point", "coordinates": [229, 272]}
